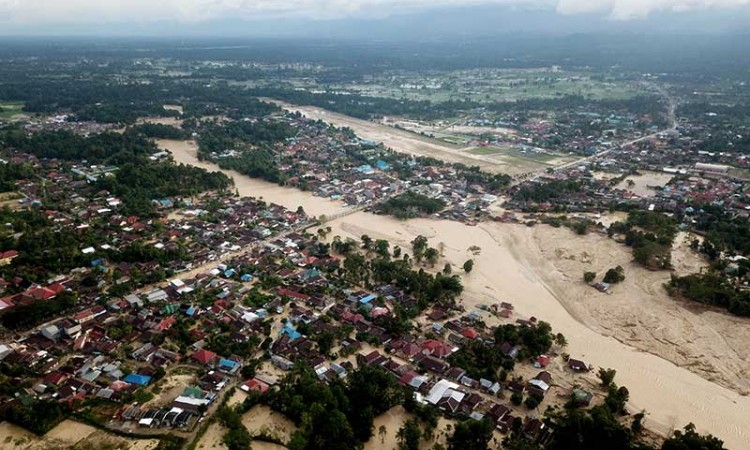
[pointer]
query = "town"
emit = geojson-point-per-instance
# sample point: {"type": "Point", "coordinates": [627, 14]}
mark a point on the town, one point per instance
{"type": "Point", "coordinates": [435, 287]}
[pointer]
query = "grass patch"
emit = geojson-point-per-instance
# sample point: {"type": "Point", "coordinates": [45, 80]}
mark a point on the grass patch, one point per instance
{"type": "Point", "coordinates": [10, 109]}
{"type": "Point", "coordinates": [484, 150]}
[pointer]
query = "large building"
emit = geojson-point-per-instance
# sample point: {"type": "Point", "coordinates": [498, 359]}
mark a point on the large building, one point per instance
{"type": "Point", "coordinates": [718, 169]}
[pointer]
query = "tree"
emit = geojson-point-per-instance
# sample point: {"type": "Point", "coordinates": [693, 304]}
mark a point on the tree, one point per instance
{"type": "Point", "coordinates": [381, 248]}
{"type": "Point", "coordinates": [516, 398]}
{"type": "Point", "coordinates": [447, 269]}
{"type": "Point", "coordinates": [637, 425]}
{"type": "Point", "coordinates": [325, 429]}
{"type": "Point", "coordinates": [532, 401]}
{"type": "Point", "coordinates": [366, 242]}
{"type": "Point", "coordinates": [237, 439]}
{"type": "Point", "coordinates": [471, 435]}
{"type": "Point", "coordinates": [617, 398]}
{"type": "Point", "coordinates": [432, 256]}
{"type": "Point", "coordinates": [409, 435]}
{"type": "Point", "coordinates": [419, 246]}
{"type": "Point", "coordinates": [560, 340]}
{"type": "Point", "coordinates": [469, 265]}
{"type": "Point", "coordinates": [607, 376]}
{"type": "Point", "coordinates": [325, 342]}
{"type": "Point", "coordinates": [689, 439]}
{"type": "Point", "coordinates": [588, 277]}
{"type": "Point", "coordinates": [615, 275]}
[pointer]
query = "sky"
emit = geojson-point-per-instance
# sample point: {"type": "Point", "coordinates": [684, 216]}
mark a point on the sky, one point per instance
{"type": "Point", "coordinates": [30, 16]}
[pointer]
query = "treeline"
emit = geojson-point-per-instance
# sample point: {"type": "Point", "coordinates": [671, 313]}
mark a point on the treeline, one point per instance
{"type": "Point", "coordinates": [105, 101]}
{"type": "Point", "coordinates": [494, 183]}
{"type": "Point", "coordinates": [43, 248]}
{"type": "Point", "coordinates": [601, 427]}
{"type": "Point", "coordinates": [651, 235]}
{"type": "Point", "coordinates": [10, 173]}
{"type": "Point", "coordinates": [724, 231]}
{"type": "Point", "coordinates": [138, 180]}
{"type": "Point", "coordinates": [410, 205]}
{"type": "Point", "coordinates": [260, 163]}
{"type": "Point", "coordinates": [548, 191]}
{"type": "Point", "coordinates": [138, 185]}
{"type": "Point", "coordinates": [159, 131]}
{"type": "Point", "coordinates": [22, 317]}
{"type": "Point", "coordinates": [367, 107]}
{"type": "Point", "coordinates": [37, 416]}
{"type": "Point", "coordinates": [104, 148]}
{"type": "Point", "coordinates": [226, 136]}
{"type": "Point", "coordinates": [714, 289]}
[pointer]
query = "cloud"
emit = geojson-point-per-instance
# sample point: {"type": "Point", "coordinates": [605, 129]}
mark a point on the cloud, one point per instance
{"type": "Point", "coordinates": [72, 12]}
{"type": "Point", "coordinates": [636, 9]}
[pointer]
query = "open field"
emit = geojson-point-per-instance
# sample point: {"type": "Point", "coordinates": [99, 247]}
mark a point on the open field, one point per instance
{"type": "Point", "coordinates": [494, 85]}
{"type": "Point", "coordinates": [11, 110]}
{"type": "Point", "coordinates": [484, 150]}
{"type": "Point", "coordinates": [415, 144]}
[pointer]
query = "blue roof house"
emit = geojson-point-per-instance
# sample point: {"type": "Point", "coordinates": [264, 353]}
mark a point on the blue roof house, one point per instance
{"type": "Point", "coordinates": [136, 378]}
{"type": "Point", "coordinates": [368, 299]}
{"type": "Point", "coordinates": [293, 334]}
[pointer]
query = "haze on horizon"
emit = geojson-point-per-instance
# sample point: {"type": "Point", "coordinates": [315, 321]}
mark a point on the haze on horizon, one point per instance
{"type": "Point", "coordinates": [361, 18]}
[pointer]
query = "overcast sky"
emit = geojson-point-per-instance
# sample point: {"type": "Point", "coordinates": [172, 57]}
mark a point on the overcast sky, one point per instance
{"type": "Point", "coordinates": [25, 15]}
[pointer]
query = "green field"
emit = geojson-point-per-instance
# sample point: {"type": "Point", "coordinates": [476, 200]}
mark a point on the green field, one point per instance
{"type": "Point", "coordinates": [496, 86]}
{"type": "Point", "coordinates": [10, 109]}
{"type": "Point", "coordinates": [485, 150]}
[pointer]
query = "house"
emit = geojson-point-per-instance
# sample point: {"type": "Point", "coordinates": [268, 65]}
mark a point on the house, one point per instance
{"type": "Point", "coordinates": [540, 384]}
{"type": "Point", "coordinates": [432, 364]}
{"type": "Point", "coordinates": [205, 357]}
{"type": "Point", "coordinates": [136, 378]}
{"type": "Point", "coordinates": [498, 412]}
{"type": "Point", "coordinates": [436, 348]}
{"type": "Point", "coordinates": [158, 295]}
{"type": "Point", "coordinates": [255, 385]}
{"type": "Point", "coordinates": [451, 400]}
{"type": "Point", "coordinates": [192, 398]}
{"type": "Point", "coordinates": [455, 373]}
{"type": "Point", "coordinates": [536, 431]}
{"type": "Point", "coordinates": [469, 333]}
{"type": "Point", "coordinates": [509, 350]}
{"type": "Point", "coordinates": [374, 358]}
{"type": "Point", "coordinates": [542, 362]}
{"type": "Point", "coordinates": [7, 257]}
{"type": "Point", "coordinates": [581, 398]}
{"type": "Point", "coordinates": [71, 328]}
{"type": "Point", "coordinates": [577, 365]}
{"type": "Point", "coordinates": [134, 301]}
{"type": "Point", "coordinates": [229, 366]}
{"type": "Point", "coordinates": [281, 362]}
{"type": "Point", "coordinates": [471, 402]}
{"type": "Point", "coordinates": [51, 332]}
